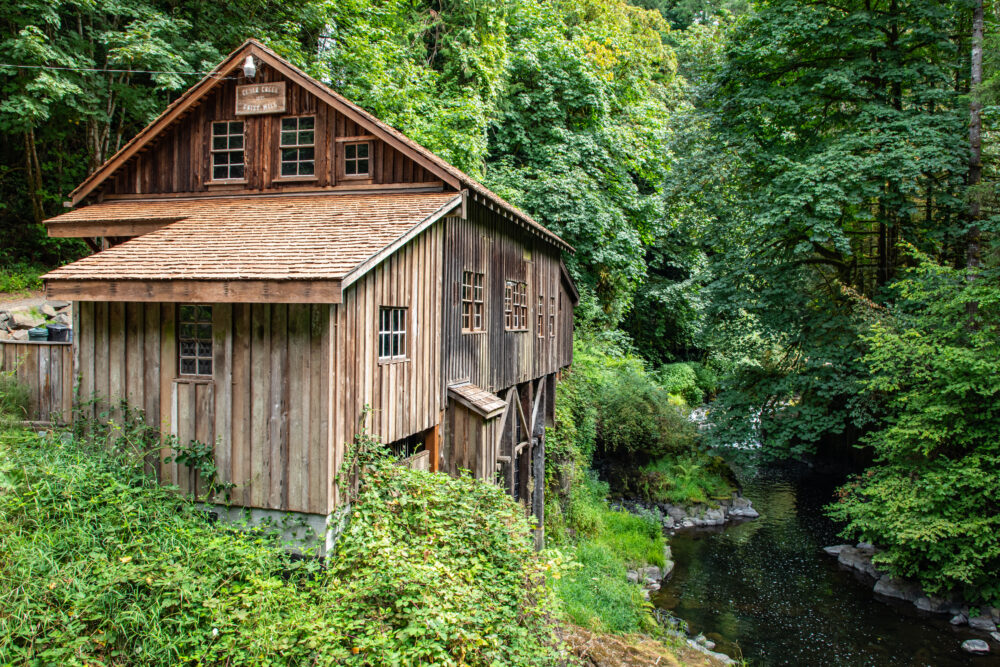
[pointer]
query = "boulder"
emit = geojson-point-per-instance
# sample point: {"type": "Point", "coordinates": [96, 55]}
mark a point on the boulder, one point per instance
{"type": "Point", "coordinates": [59, 305]}
{"type": "Point", "coordinates": [676, 513]}
{"type": "Point", "coordinates": [48, 310]}
{"type": "Point", "coordinates": [62, 318]}
{"type": "Point", "coordinates": [836, 549]}
{"type": "Point", "coordinates": [898, 588]}
{"type": "Point", "coordinates": [984, 623]}
{"type": "Point", "coordinates": [652, 573]}
{"type": "Point", "coordinates": [996, 636]}
{"type": "Point", "coordinates": [632, 576]}
{"type": "Point", "coordinates": [740, 503]}
{"type": "Point", "coordinates": [959, 619]}
{"type": "Point", "coordinates": [22, 319]}
{"type": "Point", "coordinates": [19, 335]}
{"type": "Point", "coordinates": [858, 559]}
{"type": "Point", "coordinates": [975, 646]}
{"type": "Point", "coordinates": [866, 546]}
{"type": "Point", "coordinates": [714, 517]}
{"type": "Point", "coordinates": [993, 612]}
{"type": "Point", "coordinates": [745, 513]}
{"type": "Point", "coordinates": [936, 605]}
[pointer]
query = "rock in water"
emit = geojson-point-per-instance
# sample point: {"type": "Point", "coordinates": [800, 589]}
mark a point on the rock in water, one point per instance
{"type": "Point", "coordinates": [897, 588]}
{"type": "Point", "coordinates": [959, 619]}
{"type": "Point", "coordinates": [975, 646]}
{"type": "Point", "coordinates": [996, 636]}
{"type": "Point", "coordinates": [984, 623]}
{"type": "Point", "coordinates": [835, 550]}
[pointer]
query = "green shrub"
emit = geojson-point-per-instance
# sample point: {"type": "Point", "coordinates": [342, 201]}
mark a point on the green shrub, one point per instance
{"type": "Point", "coordinates": [20, 277]}
{"type": "Point", "coordinates": [101, 565]}
{"type": "Point", "coordinates": [930, 501]}
{"type": "Point", "coordinates": [681, 379]}
{"type": "Point", "coordinates": [14, 399]}
{"type": "Point", "coordinates": [685, 481]}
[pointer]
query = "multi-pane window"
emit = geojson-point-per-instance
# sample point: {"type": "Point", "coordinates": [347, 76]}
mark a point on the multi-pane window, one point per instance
{"type": "Point", "coordinates": [472, 302]}
{"type": "Point", "coordinates": [298, 146]}
{"type": "Point", "coordinates": [194, 337]}
{"type": "Point", "coordinates": [515, 306]}
{"type": "Point", "coordinates": [552, 316]}
{"type": "Point", "coordinates": [227, 150]}
{"type": "Point", "coordinates": [356, 158]}
{"type": "Point", "coordinates": [391, 333]}
{"type": "Point", "coordinates": [541, 316]}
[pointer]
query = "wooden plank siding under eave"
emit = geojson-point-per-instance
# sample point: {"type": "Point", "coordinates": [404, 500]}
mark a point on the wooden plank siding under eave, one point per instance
{"type": "Point", "coordinates": [403, 395]}
{"type": "Point", "coordinates": [242, 409]}
{"type": "Point", "coordinates": [196, 291]}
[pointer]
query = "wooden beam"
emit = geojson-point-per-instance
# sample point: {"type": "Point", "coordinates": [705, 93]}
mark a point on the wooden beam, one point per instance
{"type": "Point", "coordinates": [90, 229]}
{"type": "Point", "coordinates": [197, 291]}
{"type": "Point", "coordinates": [287, 191]}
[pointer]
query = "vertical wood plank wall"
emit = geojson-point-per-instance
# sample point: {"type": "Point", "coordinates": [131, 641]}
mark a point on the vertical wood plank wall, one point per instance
{"type": "Point", "coordinates": [184, 148]}
{"type": "Point", "coordinates": [404, 396]}
{"type": "Point", "coordinates": [266, 407]}
{"type": "Point", "coordinates": [46, 370]}
{"type": "Point", "coordinates": [498, 359]}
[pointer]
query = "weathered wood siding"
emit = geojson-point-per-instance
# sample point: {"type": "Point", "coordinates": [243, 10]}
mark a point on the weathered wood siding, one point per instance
{"type": "Point", "coordinates": [404, 396]}
{"type": "Point", "coordinates": [46, 370]}
{"type": "Point", "coordinates": [266, 407]}
{"type": "Point", "coordinates": [497, 359]}
{"type": "Point", "coordinates": [179, 161]}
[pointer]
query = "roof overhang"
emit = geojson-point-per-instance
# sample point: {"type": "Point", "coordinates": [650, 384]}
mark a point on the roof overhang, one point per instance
{"type": "Point", "coordinates": [92, 228]}
{"type": "Point", "coordinates": [196, 291]}
{"type": "Point", "coordinates": [480, 401]}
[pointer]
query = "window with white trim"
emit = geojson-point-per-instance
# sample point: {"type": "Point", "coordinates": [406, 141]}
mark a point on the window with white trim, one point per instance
{"type": "Point", "coordinates": [515, 306]}
{"type": "Point", "coordinates": [473, 302]}
{"type": "Point", "coordinates": [227, 150]}
{"type": "Point", "coordinates": [552, 317]}
{"type": "Point", "coordinates": [391, 333]}
{"type": "Point", "coordinates": [298, 146]}
{"type": "Point", "coordinates": [540, 316]}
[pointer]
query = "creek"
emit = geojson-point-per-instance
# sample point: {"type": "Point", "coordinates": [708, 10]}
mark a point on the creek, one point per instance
{"type": "Point", "coordinates": [765, 591]}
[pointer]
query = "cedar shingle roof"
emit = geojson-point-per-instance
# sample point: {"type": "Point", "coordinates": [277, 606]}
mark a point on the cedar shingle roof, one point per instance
{"type": "Point", "coordinates": [455, 176]}
{"type": "Point", "coordinates": [308, 237]}
{"type": "Point", "coordinates": [479, 400]}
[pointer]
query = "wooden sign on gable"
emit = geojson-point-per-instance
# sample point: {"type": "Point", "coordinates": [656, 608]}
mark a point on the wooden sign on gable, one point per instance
{"type": "Point", "coordinates": [260, 98]}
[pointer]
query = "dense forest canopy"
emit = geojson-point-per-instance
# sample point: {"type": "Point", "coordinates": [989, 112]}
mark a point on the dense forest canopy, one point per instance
{"type": "Point", "coordinates": [785, 191]}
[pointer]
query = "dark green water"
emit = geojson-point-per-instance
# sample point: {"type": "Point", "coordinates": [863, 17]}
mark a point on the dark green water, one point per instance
{"type": "Point", "coordinates": [766, 591]}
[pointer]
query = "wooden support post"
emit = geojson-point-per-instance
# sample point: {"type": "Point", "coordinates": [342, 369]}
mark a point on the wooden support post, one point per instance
{"type": "Point", "coordinates": [538, 493]}
{"type": "Point", "coordinates": [433, 444]}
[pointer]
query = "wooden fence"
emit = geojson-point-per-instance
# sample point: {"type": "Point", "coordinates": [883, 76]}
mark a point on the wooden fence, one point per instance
{"type": "Point", "coordinates": [46, 369]}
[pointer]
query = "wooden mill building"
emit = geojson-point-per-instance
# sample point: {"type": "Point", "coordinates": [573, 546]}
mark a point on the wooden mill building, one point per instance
{"type": "Point", "coordinates": [275, 259]}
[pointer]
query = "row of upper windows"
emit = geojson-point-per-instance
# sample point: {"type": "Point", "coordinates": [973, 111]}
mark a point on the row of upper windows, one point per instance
{"type": "Point", "coordinates": [194, 339]}
{"type": "Point", "coordinates": [296, 146]}
{"type": "Point", "coordinates": [515, 306]}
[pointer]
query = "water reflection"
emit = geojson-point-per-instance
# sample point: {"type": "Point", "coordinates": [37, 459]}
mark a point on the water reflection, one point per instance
{"type": "Point", "coordinates": [765, 590]}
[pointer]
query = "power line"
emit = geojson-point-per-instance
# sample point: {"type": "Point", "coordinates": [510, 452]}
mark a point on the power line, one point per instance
{"type": "Point", "coordinates": [110, 70]}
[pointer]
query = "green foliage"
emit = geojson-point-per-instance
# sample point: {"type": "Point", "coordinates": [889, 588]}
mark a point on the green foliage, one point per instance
{"type": "Point", "coordinates": [20, 277]}
{"type": "Point", "coordinates": [102, 565]}
{"type": "Point", "coordinates": [14, 399]}
{"type": "Point", "coordinates": [930, 501]}
{"type": "Point", "coordinates": [685, 481]}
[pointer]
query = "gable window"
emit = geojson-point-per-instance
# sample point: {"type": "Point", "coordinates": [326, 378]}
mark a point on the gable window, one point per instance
{"type": "Point", "coordinates": [391, 333]}
{"type": "Point", "coordinates": [298, 146]}
{"type": "Point", "coordinates": [552, 317]}
{"type": "Point", "coordinates": [194, 340]}
{"type": "Point", "coordinates": [541, 316]}
{"type": "Point", "coordinates": [227, 150]}
{"type": "Point", "coordinates": [472, 302]}
{"type": "Point", "coordinates": [515, 306]}
{"type": "Point", "coordinates": [356, 158]}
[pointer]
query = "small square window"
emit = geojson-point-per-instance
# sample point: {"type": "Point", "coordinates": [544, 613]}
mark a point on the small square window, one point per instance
{"type": "Point", "coordinates": [298, 146]}
{"type": "Point", "coordinates": [515, 306]}
{"type": "Point", "coordinates": [357, 158]}
{"type": "Point", "coordinates": [227, 150]}
{"type": "Point", "coordinates": [391, 333]}
{"type": "Point", "coordinates": [194, 340]}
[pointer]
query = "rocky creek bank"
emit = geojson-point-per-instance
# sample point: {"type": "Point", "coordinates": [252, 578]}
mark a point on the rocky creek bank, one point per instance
{"type": "Point", "coordinates": [701, 515]}
{"type": "Point", "coordinates": [859, 558]}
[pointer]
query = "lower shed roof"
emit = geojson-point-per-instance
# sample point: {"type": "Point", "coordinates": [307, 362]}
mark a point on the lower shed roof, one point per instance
{"type": "Point", "coordinates": [263, 248]}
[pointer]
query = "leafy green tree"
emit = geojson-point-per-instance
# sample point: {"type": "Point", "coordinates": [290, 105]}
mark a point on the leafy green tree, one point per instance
{"type": "Point", "coordinates": [930, 501]}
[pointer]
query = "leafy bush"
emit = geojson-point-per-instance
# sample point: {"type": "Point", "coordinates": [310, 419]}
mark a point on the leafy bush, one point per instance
{"type": "Point", "coordinates": [930, 502]}
{"type": "Point", "coordinates": [101, 565]}
{"type": "Point", "coordinates": [681, 379]}
{"type": "Point", "coordinates": [685, 481]}
{"type": "Point", "coordinates": [20, 277]}
{"type": "Point", "coordinates": [14, 399]}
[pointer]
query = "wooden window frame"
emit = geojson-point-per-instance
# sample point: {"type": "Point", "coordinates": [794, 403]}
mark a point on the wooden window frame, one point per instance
{"type": "Point", "coordinates": [473, 297]}
{"type": "Point", "coordinates": [552, 317]}
{"type": "Point", "coordinates": [298, 146]}
{"type": "Point", "coordinates": [228, 150]}
{"type": "Point", "coordinates": [393, 329]}
{"type": "Point", "coordinates": [515, 306]}
{"type": "Point", "coordinates": [197, 354]}
{"type": "Point", "coordinates": [540, 315]}
{"type": "Point", "coordinates": [342, 149]}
